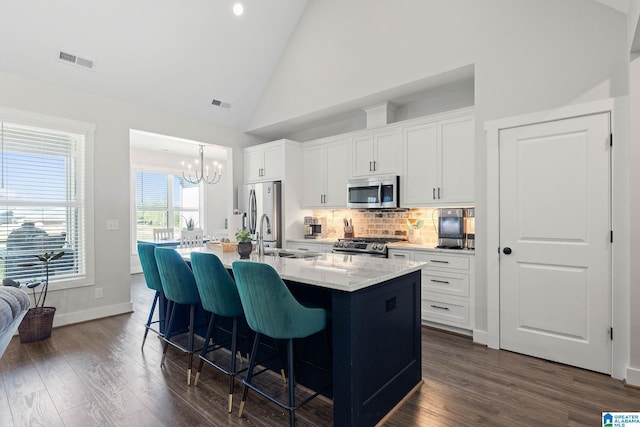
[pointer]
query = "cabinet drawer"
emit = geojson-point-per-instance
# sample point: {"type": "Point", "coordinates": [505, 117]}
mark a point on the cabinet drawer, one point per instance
{"type": "Point", "coordinates": [445, 283]}
{"type": "Point", "coordinates": [443, 261]}
{"type": "Point", "coordinates": [451, 312]}
{"type": "Point", "coordinates": [399, 254]}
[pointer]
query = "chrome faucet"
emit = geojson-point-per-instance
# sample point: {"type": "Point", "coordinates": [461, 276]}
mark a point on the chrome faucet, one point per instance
{"type": "Point", "coordinates": [261, 234]}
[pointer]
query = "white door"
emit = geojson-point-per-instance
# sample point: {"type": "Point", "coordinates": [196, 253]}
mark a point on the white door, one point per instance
{"type": "Point", "coordinates": [555, 261]}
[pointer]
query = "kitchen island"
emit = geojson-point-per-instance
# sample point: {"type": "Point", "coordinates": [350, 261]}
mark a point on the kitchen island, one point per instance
{"type": "Point", "coordinates": [374, 327]}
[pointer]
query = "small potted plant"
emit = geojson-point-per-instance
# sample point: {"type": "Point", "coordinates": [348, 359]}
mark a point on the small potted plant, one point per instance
{"type": "Point", "coordinates": [38, 322]}
{"type": "Point", "coordinates": [189, 223]}
{"type": "Point", "coordinates": [244, 243]}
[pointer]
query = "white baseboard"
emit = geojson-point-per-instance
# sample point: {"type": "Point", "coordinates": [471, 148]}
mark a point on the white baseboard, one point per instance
{"type": "Point", "coordinates": [93, 314]}
{"type": "Point", "coordinates": [633, 376]}
{"type": "Point", "coordinates": [459, 331]}
{"type": "Point", "coordinates": [480, 337]}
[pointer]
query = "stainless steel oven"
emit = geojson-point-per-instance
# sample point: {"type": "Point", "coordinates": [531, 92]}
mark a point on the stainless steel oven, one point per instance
{"type": "Point", "coordinates": [373, 192]}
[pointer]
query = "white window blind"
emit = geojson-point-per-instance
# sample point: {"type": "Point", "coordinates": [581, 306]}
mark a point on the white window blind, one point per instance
{"type": "Point", "coordinates": [164, 201]}
{"type": "Point", "coordinates": [42, 202]}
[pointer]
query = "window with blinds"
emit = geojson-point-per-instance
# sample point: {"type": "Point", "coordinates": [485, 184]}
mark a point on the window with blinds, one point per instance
{"type": "Point", "coordinates": [42, 202]}
{"type": "Point", "coordinates": [164, 201]}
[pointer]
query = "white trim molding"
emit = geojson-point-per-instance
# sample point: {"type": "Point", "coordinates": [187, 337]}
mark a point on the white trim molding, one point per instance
{"type": "Point", "coordinates": [619, 109]}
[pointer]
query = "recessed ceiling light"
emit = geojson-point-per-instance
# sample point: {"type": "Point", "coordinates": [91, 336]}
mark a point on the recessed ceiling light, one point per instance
{"type": "Point", "coordinates": [238, 9]}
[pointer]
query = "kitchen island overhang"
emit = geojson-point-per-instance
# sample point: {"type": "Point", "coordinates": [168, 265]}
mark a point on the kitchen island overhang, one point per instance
{"type": "Point", "coordinates": [375, 327]}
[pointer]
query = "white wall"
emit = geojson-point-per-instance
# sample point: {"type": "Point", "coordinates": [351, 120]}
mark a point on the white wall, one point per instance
{"type": "Point", "coordinates": [633, 374]}
{"type": "Point", "coordinates": [529, 55]}
{"type": "Point", "coordinates": [113, 121]}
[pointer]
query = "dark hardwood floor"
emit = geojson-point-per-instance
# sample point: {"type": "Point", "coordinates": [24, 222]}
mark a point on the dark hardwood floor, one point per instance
{"type": "Point", "coordinates": [94, 374]}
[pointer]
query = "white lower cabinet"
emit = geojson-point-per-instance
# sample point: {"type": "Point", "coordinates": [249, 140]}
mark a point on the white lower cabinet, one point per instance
{"type": "Point", "coordinates": [447, 292]}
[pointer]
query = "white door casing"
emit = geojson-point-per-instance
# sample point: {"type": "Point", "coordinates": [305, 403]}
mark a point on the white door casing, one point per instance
{"type": "Point", "coordinates": [555, 216]}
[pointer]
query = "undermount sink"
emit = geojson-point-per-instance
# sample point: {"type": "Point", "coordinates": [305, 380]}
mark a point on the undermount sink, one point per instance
{"type": "Point", "coordinates": [292, 254]}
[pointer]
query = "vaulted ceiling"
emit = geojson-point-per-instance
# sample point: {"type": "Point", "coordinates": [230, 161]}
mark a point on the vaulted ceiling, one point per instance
{"type": "Point", "coordinates": [173, 55]}
{"type": "Point", "coordinates": [176, 56]}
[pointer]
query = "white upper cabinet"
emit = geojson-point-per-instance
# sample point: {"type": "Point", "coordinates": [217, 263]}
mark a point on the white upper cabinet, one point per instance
{"type": "Point", "coordinates": [420, 165]}
{"type": "Point", "coordinates": [457, 156]}
{"type": "Point", "coordinates": [377, 153]}
{"type": "Point", "coordinates": [325, 175]}
{"type": "Point", "coordinates": [264, 162]}
{"type": "Point", "coordinates": [439, 162]}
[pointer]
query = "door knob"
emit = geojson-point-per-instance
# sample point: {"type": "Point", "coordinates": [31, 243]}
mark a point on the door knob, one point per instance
{"type": "Point", "coordinates": [507, 251]}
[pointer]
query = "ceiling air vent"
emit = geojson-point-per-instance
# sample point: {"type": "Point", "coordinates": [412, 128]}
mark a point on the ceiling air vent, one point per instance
{"type": "Point", "coordinates": [76, 60]}
{"type": "Point", "coordinates": [218, 103]}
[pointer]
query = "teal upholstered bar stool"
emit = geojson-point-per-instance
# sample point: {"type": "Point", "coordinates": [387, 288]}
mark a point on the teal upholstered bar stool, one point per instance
{"type": "Point", "coordinates": [152, 278]}
{"type": "Point", "coordinates": [219, 296]}
{"type": "Point", "coordinates": [271, 310]}
{"type": "Point", "coordinates": [179, 286]}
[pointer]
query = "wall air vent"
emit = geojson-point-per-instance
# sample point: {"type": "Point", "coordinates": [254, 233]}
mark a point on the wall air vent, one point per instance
{"type": "Point", "coordinates": [221, 104]}
{"type": "Point", "coordinates": [75, 60]}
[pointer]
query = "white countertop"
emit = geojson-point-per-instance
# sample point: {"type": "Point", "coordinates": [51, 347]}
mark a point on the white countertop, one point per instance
{"type": "Point", "coordinates": [421, 247]}
{"type": "Point", "coordinates": [334, 271]}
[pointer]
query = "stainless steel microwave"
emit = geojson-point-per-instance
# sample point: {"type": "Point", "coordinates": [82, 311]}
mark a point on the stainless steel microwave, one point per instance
{"type": "Point", "coordinates": [373, 192]}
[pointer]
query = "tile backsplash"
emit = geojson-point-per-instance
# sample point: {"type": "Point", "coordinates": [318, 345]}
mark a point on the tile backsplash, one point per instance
{"type": "Point", "coordinates": [384, 223]}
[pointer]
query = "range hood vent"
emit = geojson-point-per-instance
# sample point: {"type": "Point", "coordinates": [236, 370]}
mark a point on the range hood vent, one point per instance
{"type": "Point", "coordinates": [380, 114]}
{"type": "Point", "coordinates": [75, 60]}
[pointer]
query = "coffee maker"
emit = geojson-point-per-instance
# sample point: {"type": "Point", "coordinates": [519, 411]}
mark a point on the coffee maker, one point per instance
{"type": "Point", "coordinates": [451, 228]}
{"type": "Point", "coordinates": [470, 227]}
{"type": "Point", "coordinates": [314, 227]}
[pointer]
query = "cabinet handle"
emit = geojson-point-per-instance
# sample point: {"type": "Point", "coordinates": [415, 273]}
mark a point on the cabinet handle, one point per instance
{"type": "Point", "coordinates": [374, 165]}
{"type": "Point", "coordinates": [437, 260]}
{"type": "Point", "coordinates": [303, 249]}
{"type": "Point", "coordinates": [324, 198]}
{"type": "Point", "coordinates": [440, 307]}
{"type": "Point", "coordinates": [399, 256]}
{"type": "Point", "coordinates": [438, 193]}
{"type": "Point", "coordinates": [434, 193]}
{"type": "Point", "coordinates": [440, 281]}
{"type": "Point", "coordinates": [370, 166]}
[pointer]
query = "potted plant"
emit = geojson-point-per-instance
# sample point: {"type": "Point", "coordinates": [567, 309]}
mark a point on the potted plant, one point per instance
{"type": "Point", "coordinates": [38, 322]}
{"type": "Point", "coordinates": [244, 243]}
{"type": "Point", "coordinates": [189, 223]}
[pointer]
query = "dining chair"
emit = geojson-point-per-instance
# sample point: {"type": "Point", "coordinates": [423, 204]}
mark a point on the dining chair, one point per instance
{"type": "Point", "coordinates": [271, 310]}
{"type": "Point", "coordinates": [162, 234]}
{"type": "Point", "coordinates": [179, 286]}
{"type": "Point", "coordinates": [191, 238]}
{"type": "Point", "coordinates": [219, 296]}
{"type": "Point", "coordinates": [152, 278]}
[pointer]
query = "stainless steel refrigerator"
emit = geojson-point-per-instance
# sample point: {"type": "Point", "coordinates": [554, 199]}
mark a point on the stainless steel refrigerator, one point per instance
{"type": "Point", "coordinates": [265, 198]}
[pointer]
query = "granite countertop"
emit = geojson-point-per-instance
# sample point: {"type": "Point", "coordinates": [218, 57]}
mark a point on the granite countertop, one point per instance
{"type": "Point", "coordinates": [334, 271]}
{"type": "Point", "coordinates": [323, 241]}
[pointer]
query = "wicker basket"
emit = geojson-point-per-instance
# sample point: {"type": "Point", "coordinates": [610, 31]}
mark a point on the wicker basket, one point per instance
{"type": "Point", "coordinates": [36, 324]}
